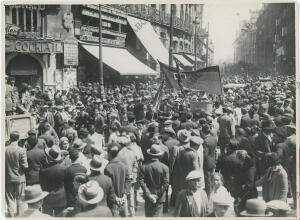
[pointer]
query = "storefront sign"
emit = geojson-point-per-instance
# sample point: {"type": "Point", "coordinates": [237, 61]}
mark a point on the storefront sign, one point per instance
{"type": "Point", "coordinates": [11, 29]}
{"type": "Point", "coordinates": [19, 72]}
{"type": "Point", "coordinates": [104, 40]}
{"type": "Point", "coordinates": [33, 46]}
{"type": "Point", "coordinates": [70, 54]}
{"type": "Point", "coordinates": [105, 17]}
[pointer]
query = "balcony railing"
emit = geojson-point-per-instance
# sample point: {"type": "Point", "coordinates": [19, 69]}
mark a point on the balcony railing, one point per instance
{"type": "Point", "coordinates": [155, 15]}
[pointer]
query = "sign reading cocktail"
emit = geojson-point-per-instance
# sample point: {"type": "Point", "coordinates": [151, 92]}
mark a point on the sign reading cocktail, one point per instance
{"type": "Point", "coordinates": [33, 46]}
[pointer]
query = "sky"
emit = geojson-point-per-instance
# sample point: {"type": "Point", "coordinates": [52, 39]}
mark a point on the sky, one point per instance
{"type": "Point", "coordinates": [224, 18]}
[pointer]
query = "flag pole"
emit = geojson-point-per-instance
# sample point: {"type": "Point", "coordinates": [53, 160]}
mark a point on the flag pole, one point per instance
{"type": "Point", "coordinates": [171, 37]}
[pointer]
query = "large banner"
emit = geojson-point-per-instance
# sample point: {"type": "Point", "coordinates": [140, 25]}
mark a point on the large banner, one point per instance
{"type": "Point", "coordinates": [207, 79]}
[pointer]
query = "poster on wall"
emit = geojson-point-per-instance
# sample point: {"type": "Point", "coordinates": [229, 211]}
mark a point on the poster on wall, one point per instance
{"type": "Point", "coordinates": [69, 78]}
{"type": "Point", "coordinates": [58, 79]}
{"type": "Point", "coordinates": [70, 53]}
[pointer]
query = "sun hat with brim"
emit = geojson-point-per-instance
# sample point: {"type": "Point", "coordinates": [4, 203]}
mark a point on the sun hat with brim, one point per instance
{"type": "Point", "coordinates": [168, 122]}
{"type": "Point", "coordinates": [79, 144]}
{"type": "Point", "coordinates": [96, 163]}
{"type": "Point", "coordinates": [255, 208]}
{"type": "Point", "coordinates": [59, 107]}
{"type": "Point", "coordinates": [183, 135]}
{"type": "Point", "coordinates": [54, 153]}
{"type": "Point", "coordinates": [194, 174]}
{"type": "Point", "coordinates": [155, 150]}
{"type": "Point", "coordinates": [34, 194]}
{"type": "Point", "coordinates": [90, 193]}
{"type": "Point", "coordinates": [222, 198]}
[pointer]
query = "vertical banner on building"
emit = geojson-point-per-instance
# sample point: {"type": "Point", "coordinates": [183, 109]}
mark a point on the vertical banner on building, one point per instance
{"type": "Point", "coordinates": [70, 53]}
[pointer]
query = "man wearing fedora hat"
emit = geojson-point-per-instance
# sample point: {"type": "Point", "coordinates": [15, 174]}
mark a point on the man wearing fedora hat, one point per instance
{"type": "Point", "coordinates": [34, 197]}
{"type": "Point", "coordinates": [192, 201]}
{"type": "Point", "coordinates": [263, 145]}
{"type": "Point", "coordinates": [52, 177]}
{"type": "Point", "coordinates": [175, 174]}
{"type": "Point", "coordinates": [91, 198]}
{"type": "Point", "coordinates": [71, 172]}
{"type": "Point", "coordinates": [154, 181]}
{"type": "Point", "coordinates": [15, 166]}
{"type": "Point", "coordinates": [97, 166]}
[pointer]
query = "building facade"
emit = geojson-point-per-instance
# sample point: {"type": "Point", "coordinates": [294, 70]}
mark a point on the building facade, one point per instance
{"type": "Point", "coordinates": [270, 44]}
{"type": "Point", "coordinates": [57, 46]}
{"type": "Point", "coordinates": [40, 48]}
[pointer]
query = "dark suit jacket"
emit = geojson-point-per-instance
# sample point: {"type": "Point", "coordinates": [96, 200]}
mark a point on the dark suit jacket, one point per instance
{"type": "Point", "coordinates": [106, 184]}
{"type": "Point", "coordinates": [154, 179]}
{"type": "Point", "coordinates": [245, 121]}
{"type": "Point", "coordinates": [58, 122]}
{"type": "Point", "coordinates": [69, 178]}
{"type": "Point", "coordinates": [36, 159]}
{"type": "Point", "coordinates": [210, 145]}
{"type": "Point", "coordinates": [118, 173]}
{"type": "Point", "coordinates": [52, 178]}
{"type": "Point", "coordinates": [98, 211]}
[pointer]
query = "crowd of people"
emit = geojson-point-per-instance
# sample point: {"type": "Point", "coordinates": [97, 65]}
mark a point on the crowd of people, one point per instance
{"type": "Point", "coordinates": [91, 156]}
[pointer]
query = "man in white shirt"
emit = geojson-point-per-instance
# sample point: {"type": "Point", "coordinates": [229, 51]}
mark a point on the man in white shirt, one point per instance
{"type": "Point", "coordinates": [96, 138]}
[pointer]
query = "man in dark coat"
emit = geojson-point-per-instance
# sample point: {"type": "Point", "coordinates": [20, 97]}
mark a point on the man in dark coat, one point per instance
{"type": "Point", "coordinates": [58, 120]}
{"type": "Point", "coordinates": [91, 197]}
{"type": "Point", "coordinates": [263, 145]}
{"type": "Point", "coordinates": [36, 158]}
{"type": "Point", "coordinates": [210, 141]}
{"type": "Point", "coordinates": [154, 181]}
{"type": "Point", "coordinates": [226, 129]}
{"type": "Point", "coordinates": [34, 142]}
{"type": "Point", "coordinates": [71, 172]}
{"type": "Point", "coordinates": [189, 124]}
{"type": "Point", "coordinates": [104, 181]}
{"type": "Point", "coordinates": [118, 173]}
{"type": "Point", "coordinates": [52, 178]}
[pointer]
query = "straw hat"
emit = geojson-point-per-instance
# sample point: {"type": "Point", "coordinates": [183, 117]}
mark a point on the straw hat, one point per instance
{"type": "Point", "coordinates": [34, 194]}
{"type": "Point", "coordinates": [255, 208]}
{"type": "Point", "coordinates": [90, 193]}
{"type": "Point", "coordinates": [155, 151]}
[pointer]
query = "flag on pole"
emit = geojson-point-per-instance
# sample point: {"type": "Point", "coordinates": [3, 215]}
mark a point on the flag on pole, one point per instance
{"type": "Point", "coordinates": [158, 95]}
{"type": "Point", "coordinates": [207, 79]}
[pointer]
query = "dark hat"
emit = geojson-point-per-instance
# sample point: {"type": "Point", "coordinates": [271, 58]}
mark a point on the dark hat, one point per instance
{"type": "Point", "coordinates": [54, 153]}
{"type": "Point", "coordinates": [32, 132]}
{"type": "Point", "coordinates": [267, 125]}
{"type": "Point", "coordinates": [113, 147]}
{"type": "Point", "coordinates": [206, 128]}
{"type": "Point", "coordinates": [78, 144]}
{"type": "Point", "coordinates": [281, 132]}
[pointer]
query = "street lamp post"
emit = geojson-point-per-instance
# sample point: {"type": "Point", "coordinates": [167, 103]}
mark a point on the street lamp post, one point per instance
{"type": "Point", "coordinates": [101, 81]}
{"type": "Point", "coordinates": [195, 22]}
{"type": "Point", "coordinates": [171, 37]}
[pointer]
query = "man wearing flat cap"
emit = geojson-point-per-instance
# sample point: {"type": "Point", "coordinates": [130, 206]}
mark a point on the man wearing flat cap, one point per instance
{"type": "Point", "coordinates": [192, 201]}
{"type": "Point", "coordinates": [15, 175]}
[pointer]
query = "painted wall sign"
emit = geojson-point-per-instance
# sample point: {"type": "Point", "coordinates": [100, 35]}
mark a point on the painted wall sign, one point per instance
{"type": "Point", "coordinates": [33, 46]}
{"type": "Point", "coordinates": [70, 54]}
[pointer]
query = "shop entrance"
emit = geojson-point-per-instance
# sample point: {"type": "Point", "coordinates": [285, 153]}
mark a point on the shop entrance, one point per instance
{"type": "Point", "coordinates": [25, 69]}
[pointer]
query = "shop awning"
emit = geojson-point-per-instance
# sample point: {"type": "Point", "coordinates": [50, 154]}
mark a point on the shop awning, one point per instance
{"type": "Point", "coordinates": [150, 40]}
{"type": "Point", "coordinates": [192, 58]}
{"type": "Point", "coordinates": [182, 60]}
{"type": "Point", "coordinates": [120, 60]}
